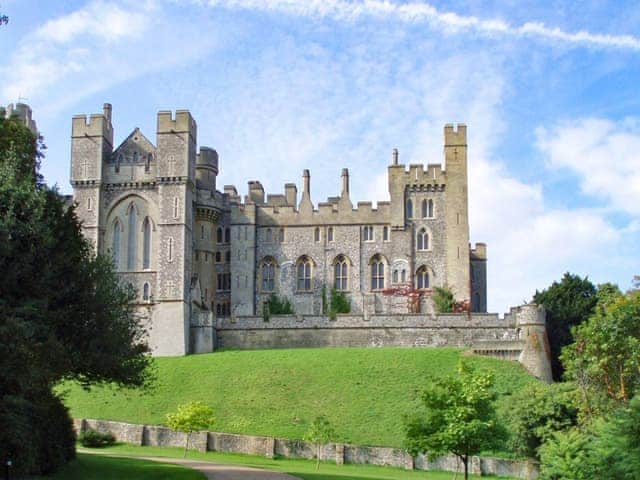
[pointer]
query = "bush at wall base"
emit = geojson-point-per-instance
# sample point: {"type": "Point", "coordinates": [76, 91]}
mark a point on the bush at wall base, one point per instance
{"type": "Point", "coordinates": [95, 439]}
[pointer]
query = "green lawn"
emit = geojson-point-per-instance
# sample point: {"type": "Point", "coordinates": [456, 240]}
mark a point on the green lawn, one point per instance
{"type": "Point", "coordinates": [304, 469]}
{"type": "Point", "coordinates": [94, 467]}
{"type": "Point", "coordinates": [364, 392]}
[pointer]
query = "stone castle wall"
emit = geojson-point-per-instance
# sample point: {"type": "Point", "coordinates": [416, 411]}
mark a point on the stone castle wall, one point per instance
{"type": "Point", "coordinates": [339, 453]}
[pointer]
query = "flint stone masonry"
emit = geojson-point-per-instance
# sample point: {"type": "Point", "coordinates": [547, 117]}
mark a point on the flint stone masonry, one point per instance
{"type": "Point", "coordinates": [155, 209]}
{"type": "Point", "coordinates": [291, 448]}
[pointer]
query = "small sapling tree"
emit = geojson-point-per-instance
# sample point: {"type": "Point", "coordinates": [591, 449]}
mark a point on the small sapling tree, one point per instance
{"type": "Point", "coordinates": [443, 299]}
{"type": "Point", "coordinates": [191, 417]}
{"type": "Point", "coordinates": [319, 433]}
{"type": "Point", "coordinates": [458, 418]}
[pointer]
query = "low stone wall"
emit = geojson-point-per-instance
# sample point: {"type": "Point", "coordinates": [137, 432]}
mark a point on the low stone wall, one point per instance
{"type": "Point", "coordinates": [290, 448]}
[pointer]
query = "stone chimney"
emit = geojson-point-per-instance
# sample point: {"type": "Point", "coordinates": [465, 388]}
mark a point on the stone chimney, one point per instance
{"type": "Point", "coordinates": [394, 156]}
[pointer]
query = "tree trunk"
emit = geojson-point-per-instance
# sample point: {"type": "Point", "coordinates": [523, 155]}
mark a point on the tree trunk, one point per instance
{"type": "Point", "coordinates": [317, 457]}
{"type": "Point", "coordinates": [186, 445]}
{"type": "Point", "coordinates": [465, 460]}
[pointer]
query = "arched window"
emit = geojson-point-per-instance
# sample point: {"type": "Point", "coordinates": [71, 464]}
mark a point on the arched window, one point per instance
{"type": "Point", "coordinates": [394, 277]}
{"type": "Point", "coordinates": [422, 278]}
{"type": "Point", "coordinates": [424, 209]}
{"type": "Point", "coordinates": [116, 243]}
{"type": "Point", "coordinates": [175, 207]}
{"type": "Point", "coordinates": [146, 292]}
{"type": "Point", "coordinates": [132, 237]}
{"type": "Point", "coordinates": [330, 234]}
{"type": "Point", "coordinates": [89, 206]}
{"type": "Point", "coordinates": [304, 274]}
{"type": "Point", "coordinates": [409, 209]}
{"type": "Point", "coordinates": [227, 235]}
{"type": "Point", "coordinates": [147, 163]}
{"type": "Point", "coordinates": [268, 274]}
{"type": "Point", "coordinates": [340, 273]}
{"type": "Point", "coordinates": [316, 234]}
{"type": "Point", "coordinates": [269, 235]}
{"type": "Point", "coordinates": [385, 233]}
{"type": "Point", "coordinates": [146, 243]}
{"type": "Point", "coordinates": [219, 235]}
{"type": "Point", "coordinates": [281, 235]}
{"type": "Point", "coordinates": [423, 240]}
{"type": "Point", "coordinates": [377, 273]}
{"type": "Point", "coordinates": [430, 208]}
{"type": "Point", "coordinates": [218, 257]}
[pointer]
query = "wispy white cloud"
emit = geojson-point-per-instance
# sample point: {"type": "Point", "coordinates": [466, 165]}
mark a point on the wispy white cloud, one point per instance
{"type": "Point", "coordinates": [604, 154]}
{"type": "Point", "coordinates": [419, 12]}
{"type": "Point", "coordinates": [94, 47]}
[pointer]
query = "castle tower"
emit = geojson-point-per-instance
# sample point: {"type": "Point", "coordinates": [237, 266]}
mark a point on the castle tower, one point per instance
{"type": "Point", "coordinates": [206, 219]}
{"type": "Point", "coordinates": [176, 159]}
{"type": "Point", "coordinates": [91, 146]}
{"type": "Point", "coordinates": [457, 216]}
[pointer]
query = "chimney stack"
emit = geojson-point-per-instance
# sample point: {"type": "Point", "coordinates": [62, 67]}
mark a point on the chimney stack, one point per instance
{"type": "Point", "coordinates": [106, 109]}
{"type": "Point", "coordinates": [394, 156]}
{"type": "Point", "coordinates": [345, 182]}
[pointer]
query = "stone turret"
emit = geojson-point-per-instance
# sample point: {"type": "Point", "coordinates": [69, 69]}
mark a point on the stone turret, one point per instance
{"type": "Point", "coordinates": [207, 169]}
{"type": "Point", "coordinates": [536, 353]}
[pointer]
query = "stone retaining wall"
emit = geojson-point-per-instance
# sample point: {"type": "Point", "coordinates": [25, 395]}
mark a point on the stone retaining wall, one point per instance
{"type": "Point", "coordinates": [289, 448]}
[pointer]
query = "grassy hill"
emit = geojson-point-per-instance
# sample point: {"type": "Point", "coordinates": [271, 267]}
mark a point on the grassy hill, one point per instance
{"type": "Point", "coordinates": [363, 392]}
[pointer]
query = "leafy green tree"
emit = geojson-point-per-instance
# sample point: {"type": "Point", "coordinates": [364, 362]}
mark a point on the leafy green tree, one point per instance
{"type": "Point", "coordinates": [319, 433]}
{"type": "Point", "coordinates": [64, 309]}
{"type": "Point", "coordinates": [568, 303]}
{"type": "Point", "coordinates": [443, 299]}
{"type": "Point", "coordinates": [191, 417]}
{"type": "Point", "coordinates": [537, 412]}
{"type": "Point", "coordinates": [459, 417]}
{"type": "Point", "coordinates": [568, 456]}
{"type": "Point", "coordinates": [605, 356]}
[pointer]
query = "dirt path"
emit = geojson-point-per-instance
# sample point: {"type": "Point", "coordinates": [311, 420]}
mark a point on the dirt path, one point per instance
{"type": "Point", "coordinates": [214, 471]}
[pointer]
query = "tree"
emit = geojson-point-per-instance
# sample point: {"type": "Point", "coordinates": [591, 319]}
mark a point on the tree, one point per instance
{"type": "Point", "coordinates": [568, 456]}
{"type": "Point", "coordinates": [64, 309]}
{"type": "Point", "coordinates": [459, 417]}
{"type": "Point", "coordinates": [605, 356]}
{"type": "Point", "coordinates": [191, 417]}
{"type": "Point", "coordinates": [443, 299]}
{"type": "Point", "coordinates": [319, 433]}
{"type": "Point", "coordinates": [537, 412]}
{"type": "Point", "coordinates": [568, 303]}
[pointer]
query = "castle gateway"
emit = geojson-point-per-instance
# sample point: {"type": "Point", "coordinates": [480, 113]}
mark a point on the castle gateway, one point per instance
{"type": "Point", "coordinates": [202, 259]}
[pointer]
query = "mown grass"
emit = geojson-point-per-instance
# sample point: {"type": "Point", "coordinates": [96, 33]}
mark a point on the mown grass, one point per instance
{"type": "Point", "coordinates": [96, 467]}
{"type": "Point", "coordinates": [365, 393]}
{"type": "Point", "coordinates": [304, 469]}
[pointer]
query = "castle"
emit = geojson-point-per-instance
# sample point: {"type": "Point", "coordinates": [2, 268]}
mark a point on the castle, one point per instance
{"type": "Point", "coordinates": [189, 248]}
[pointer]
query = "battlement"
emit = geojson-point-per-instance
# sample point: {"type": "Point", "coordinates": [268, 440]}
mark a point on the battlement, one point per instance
{"type": "Point", "coordinates": [455, 136]}
{"type": "Point", "coordinates": [430, 178]}
{"type": "Point", "coordinates": [23, 112]}
{"type": "Point", "coordinates": [95, 125]}
{"type": "Point", "coordinates": [182, 122]}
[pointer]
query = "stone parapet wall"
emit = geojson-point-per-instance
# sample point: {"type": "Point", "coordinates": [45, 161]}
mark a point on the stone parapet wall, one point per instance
{"type": "Point", "coordinates": [151, 435]}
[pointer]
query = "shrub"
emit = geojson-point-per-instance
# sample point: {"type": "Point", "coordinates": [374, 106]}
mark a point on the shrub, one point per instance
{"type": "Point", "coordinates": [94, 439]}
{"type": "Point", "coordinates": [443, 299]}
{"type": "Point", "coordinates": [339, 304]}
{"type": "Point", "coordinates": [276, 306]}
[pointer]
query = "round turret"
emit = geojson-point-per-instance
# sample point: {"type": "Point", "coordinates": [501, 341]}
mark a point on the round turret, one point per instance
{"type": "Point", "coordinates": [206, 169]}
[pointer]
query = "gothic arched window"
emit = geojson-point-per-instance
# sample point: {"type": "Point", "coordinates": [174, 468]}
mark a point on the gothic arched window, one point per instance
{"type": "Point", "coordinates": [430, 208]}
{"type": "Point", "coordinates": [146, 243]}
{"type": "Point", "coordinates": [269, 236]}
{"type": "Point", "coordinates": [340, 277]}
{"type": "Point", "coordinates": [377, 273]}
{"type": "Point", "coordinates": [409, 209]}
{"type": "Point", "coordinates": [422, 278]}
{"type": "Point", "coordinates": [316, 234]}
{"type": "Point", "coordinates": [146, 292]}
{"type": "Point", "coordinates": [281, 235]}
{"type": "Point", "coordinates": [304, 274]}
{"type": "Point", "coordinates": [219, 235]}
{"type": "Point", "coordinates": [116, 243]}
{"type": "Point", "coordinates": [422, 240]}
{"type": "Point", "coordinates": [424, 209]}
{"type": "Point", "coordinates": [132, 237]}
{"type": "Point", "coordinates": [330, 234]}
{"type": "Point", "coordinates": [268, 274]}
{"type": "Point", "coordinates": [227, 235]}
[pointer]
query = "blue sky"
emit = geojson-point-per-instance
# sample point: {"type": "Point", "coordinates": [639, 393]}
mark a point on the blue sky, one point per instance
{"type": "Point", "coordinates": [549, 91]}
